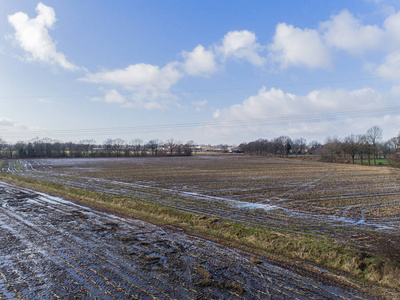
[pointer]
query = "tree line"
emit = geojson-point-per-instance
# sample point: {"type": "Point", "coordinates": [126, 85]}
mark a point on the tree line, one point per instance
{"type": "Point", "coordinates": [366, 148]}
{"type": "Point", "coordinates": [49, 148]}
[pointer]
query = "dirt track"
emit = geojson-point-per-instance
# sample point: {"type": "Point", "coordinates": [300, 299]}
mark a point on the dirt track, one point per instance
{"type": "Point", "coordinates": [52, 248]}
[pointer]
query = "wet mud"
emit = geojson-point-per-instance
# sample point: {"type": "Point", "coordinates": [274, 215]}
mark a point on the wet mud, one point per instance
{"type": "Point", "coordinates": [51, 248]}
{"type": "Point", "coordinates": [352, 204]}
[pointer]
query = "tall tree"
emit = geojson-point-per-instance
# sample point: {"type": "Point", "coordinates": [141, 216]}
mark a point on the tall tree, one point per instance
{"type": "Point", "coordinates": [351, 146]}
{"type": "Point", "coordinates": [374, 135]}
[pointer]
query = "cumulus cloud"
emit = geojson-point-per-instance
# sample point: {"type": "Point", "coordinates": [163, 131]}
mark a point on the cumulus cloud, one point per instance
{"type": "Point", "coordinates": [274, 102]}
{"type": "Point", "coordinates": [390, 68]}
{"type": "Point", "coordinates": [199, 62]}
{"type": "Point", "coordinates": [141, 99]}
{"type": "Point", "coordinates": [113, 96]}
{"type": "Point", "coordinates": [392, 25]}
{"type": "Point", "coordinates": [138, 77]}
{"type": "Point", "coordinates": [148, 84]}
{"type": "Point", "coordinates": [299, 47]}
{"type": "Point", "coordinates": [32, 35]}
{"type": "Point", "coordinates": [272, 112]}
{"type": "Point", "coordinates": [345, 32]}
{"type": "Point", "coordinates": [241, 45]}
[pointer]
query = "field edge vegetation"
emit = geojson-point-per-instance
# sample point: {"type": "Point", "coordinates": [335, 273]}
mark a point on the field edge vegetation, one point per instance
{"type": "Point", "coordinates": [369, 268]}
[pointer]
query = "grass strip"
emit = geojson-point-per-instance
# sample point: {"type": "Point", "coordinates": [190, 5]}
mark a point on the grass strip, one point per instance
{"type": "Point", "coordinates": [360, 265]}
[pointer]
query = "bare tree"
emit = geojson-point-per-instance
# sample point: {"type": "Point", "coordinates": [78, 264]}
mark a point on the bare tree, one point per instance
{"type": "Point", "coordinates": [388, 148]}
{"type": "Point", "coordinates": [179, 148]}
{"type": "Point", "coordinates": [364, 148]}
{"type": "Point", "coordinates": [88, 146]}
{"type": "Point", "coordinates": [153, 146]}
{"type": "Point", "coordinates": [351, 146]}
{"type": "Point", "coordinates": [10, 149]}
{"type": "Point", "coordinates": [332, 150]}
{"type": "Point", "coordinates": [118, 145]}
{"type": "Point", "coordinates": [137, 144]}
{"type": "Point", "coordinates": [171, 145]}
{"type": "Point", "coordinates": [374, 135]}
{"type": "Point", "coordinates": [286, 145]}
{"type": "Point", "coordinates": [3, 144]}
{"type": "Point", "coordinates": [299, 146]}
{"type": "Point", "coordinates": [314, 147]}
{"type": "Point", "coordinates": [20, 147]}
{"type": "Point", "coordinates": [278, 145]}
{"type": "Point", "coordinates": [187, 148]}
{"type": "Point", "coordinates": [108, 146]}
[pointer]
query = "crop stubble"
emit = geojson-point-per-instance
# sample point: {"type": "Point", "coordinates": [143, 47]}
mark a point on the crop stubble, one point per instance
{"type": "Point", "coordinates": [315, 197]}
{"type": "Point", "coordinates": [54, 249]}
{"type": "Point", "coordinates": [352, 204]}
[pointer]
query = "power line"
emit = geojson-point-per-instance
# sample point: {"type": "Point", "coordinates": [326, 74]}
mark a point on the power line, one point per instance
{"type": "Point", "coordinates": [270, 121]}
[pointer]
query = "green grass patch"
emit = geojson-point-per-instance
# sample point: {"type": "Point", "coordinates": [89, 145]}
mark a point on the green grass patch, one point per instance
{"type": "Point", "coordinates": [379, 161]}
{"type": "Point", "coordinates": [2, 163]}
{"type": "Point", "coordinates": [322, 251]}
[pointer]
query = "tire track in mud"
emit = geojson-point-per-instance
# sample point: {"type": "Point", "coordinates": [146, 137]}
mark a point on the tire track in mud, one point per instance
{"type": "Point", "coordinates": [301, 187]}
{"type": "Point", "coordinates": [146, 189]}
{"type": "Point", "coordinates": [124, 262]}
{"type": "Point", "coordinates": [165, 295]}
{"type": "Point", "coordinates": [145, 247]}
{"type": "Point", "coordinates": [45, 258]}
{"type": "Point", "coordinates": [80, 257]}
{"type": "Point", "coordinates": [217, 206]}
{"type": "Point", "coordinates": [104, 249]}
{"type": "Point", "coordinates": [210, 205]}
{"type": "Point", "coordinates": [52, 250]}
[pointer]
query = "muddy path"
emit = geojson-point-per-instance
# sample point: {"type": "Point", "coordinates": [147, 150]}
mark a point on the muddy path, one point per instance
{"type": "Point", "coordinates": [54, 249]}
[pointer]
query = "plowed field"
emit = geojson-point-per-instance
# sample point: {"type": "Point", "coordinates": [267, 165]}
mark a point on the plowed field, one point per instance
{"type": "Point", "coordinates": [54, 249]}
{"type": "Point", "coordinates": [355, 205]}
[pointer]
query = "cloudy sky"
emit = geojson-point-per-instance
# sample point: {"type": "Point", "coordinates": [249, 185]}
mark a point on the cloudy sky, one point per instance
{"type": "Point", "coordinates": [209, 71]}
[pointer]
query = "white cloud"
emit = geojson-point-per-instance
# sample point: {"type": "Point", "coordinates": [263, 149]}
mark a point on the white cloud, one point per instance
{"type": "Point", "coordinates": [8, 123]}
{"type": "Point", "coordinates": [345, 32]}
{"type": "Point", "coordinates": [139, 99]}
{"type": "Point", "coordinates": [299, 47]}
{"type": "Point", "coordinates": [395, 90]}
{"type": "Point", "coordinates": [12, 130]}
{"type": "Point", "coordinates": [138, 77]}
{"type": "Point", "coordinates": [33, 37]}
{"type": "Point", "coordinates": [274, 102]}
{"type": "Point", "coordinates": [199, 62]}
{"type": "Point", "coordinates": [199, 104]}
{"type": "Point", "coordinates": [113, 96]}
{"type": "Point", "coordinates": [149, 84]}
{"type": "Point", "coordinates": [241, 45]}
{"type": "Point", "coordinates": [318, 114]}
{"type": "Point", "coordinates": [392, 27]}
{"type": "Point", "coordinates": [390, 68]}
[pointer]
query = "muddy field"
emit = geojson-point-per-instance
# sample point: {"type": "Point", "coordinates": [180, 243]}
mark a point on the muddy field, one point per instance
{"type": "Point", "coordinates": [357, 205]}
{"type": "Point", "coordinates": [54, 249]}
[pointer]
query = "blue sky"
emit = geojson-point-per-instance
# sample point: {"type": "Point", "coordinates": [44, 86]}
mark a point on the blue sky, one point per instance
{"type": "Point", "coordinates": [209, 71]}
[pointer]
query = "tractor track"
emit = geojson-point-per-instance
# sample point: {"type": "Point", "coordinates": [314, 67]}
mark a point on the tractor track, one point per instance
{"type": "Point", "coordinates": [54, 249]}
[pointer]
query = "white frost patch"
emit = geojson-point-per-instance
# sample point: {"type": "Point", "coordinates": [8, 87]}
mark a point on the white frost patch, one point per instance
{"type": "Point", "coordinates": [249, 205]}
